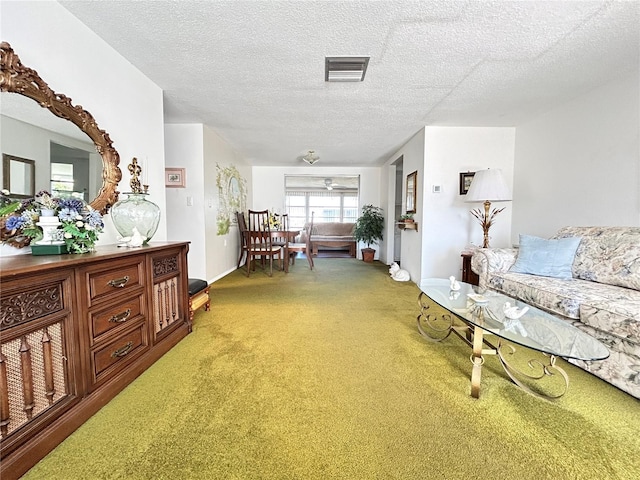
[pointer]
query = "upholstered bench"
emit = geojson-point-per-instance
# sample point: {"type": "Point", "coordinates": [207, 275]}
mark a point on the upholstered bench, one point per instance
{"type": "Point", "coordinates": [198, 296]}
{"type": "Point", "coordinates": [333, 235]}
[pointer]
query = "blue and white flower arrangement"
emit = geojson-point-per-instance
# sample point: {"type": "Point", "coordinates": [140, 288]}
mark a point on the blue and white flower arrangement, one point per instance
{"type": "Point", "coordinates": [79, 227]}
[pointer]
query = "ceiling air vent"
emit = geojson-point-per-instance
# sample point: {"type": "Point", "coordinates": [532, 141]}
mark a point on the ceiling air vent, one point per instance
{"type": "Point", "coordinates": [345, 69]}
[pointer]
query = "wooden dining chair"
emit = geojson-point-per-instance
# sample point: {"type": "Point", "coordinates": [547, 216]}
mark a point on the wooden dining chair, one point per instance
{"type": "Point", "coordinates": [242, 230]}
{"type": "Point", "coordinates": [283, 221]}
{"type": "Point", "coordinates": [304, 247]}
{"type": "Point", "coordinates": [259, 242]}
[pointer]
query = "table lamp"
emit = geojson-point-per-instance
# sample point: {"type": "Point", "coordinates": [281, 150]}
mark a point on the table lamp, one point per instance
{"type": "Point", "coordinates": [488, 186]}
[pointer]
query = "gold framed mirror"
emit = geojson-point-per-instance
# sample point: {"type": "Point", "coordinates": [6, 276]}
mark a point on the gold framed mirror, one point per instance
{"type": "Point", "coordinates": [18, 176]}
{"type": "Point", "coordinates": [17, 78]}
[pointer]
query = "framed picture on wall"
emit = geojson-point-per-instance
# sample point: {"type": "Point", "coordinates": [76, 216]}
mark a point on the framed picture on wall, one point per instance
{"type": "Point", "coordinates": [412, 190]}
{"type": "Point", "coordinates": [465, 182]}
{"type": "Point", "coordinates": [174, 177]}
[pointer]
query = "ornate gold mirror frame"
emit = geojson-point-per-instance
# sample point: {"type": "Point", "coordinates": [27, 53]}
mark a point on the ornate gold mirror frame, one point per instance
{"type": "Point", "coordinates": [16, 78]}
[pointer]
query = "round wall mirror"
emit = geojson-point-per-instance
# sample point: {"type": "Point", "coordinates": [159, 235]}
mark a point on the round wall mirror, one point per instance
{"type": "Point", "coordinates": [84, 145]}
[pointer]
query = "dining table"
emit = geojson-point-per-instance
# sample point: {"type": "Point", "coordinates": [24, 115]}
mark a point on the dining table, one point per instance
{"type": "Point", "coordinates": [285, 235]}
{"type": "Point", "coordinates": [288, 236]}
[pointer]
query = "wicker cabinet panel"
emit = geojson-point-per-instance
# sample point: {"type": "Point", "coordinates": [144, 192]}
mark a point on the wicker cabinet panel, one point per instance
{"type": "Point", "coordinates": [32, 376]}
{"type": "Point", "coordinates": [120, 351]}
{"type": "Point", "coordinates": [165, 304]}
{"type": "Point", "coordinates": [36, 375]}
{"type": "Point", "coordinates": [168, 293]}
{"type": "Point", "coordinates": [116, 316]}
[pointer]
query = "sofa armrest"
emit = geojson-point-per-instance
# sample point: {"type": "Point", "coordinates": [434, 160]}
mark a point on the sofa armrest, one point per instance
{"type": "Point", "coordinates": [488, 261]}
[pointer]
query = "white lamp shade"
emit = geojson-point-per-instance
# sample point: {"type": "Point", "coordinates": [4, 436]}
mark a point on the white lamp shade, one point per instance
{"type": "Point", "coordinates": [488, 185]}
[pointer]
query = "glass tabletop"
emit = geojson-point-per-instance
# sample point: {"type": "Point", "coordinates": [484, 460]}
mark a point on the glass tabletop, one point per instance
{"type": "Point", "coordinates": [534, 329]}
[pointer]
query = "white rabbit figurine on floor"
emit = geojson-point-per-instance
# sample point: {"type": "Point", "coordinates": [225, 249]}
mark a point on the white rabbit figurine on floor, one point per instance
{"type": "Point", "coordinates": [399, 274]}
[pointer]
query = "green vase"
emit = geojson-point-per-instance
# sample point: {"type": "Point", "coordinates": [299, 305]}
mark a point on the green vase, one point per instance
{"type": "Point", "coordinates": [136, 212]}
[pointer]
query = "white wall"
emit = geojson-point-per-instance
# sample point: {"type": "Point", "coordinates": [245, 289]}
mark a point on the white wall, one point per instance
{"type": "Point", "coordinates": [75, 61]}
{"type": "Point", "coordinates": [447, 225]}
{"type": "Point", "coordinates": [199, 149]}
{"type": "Point", "coordinates": [580, 163]}
{"type": "Point", "coordinates": [184, 149]}
{"type": "Point", "coordinates": [269, 193]}
{"type": "Point", "coordinates": [411, 244]}
{"type": "Point", "coordinates": [222, 250]}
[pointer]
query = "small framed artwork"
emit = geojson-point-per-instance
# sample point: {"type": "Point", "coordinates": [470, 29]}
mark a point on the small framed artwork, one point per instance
{"type": "Point", "coordinates": [174, 177]}
{"type": "Point", "coordinates": [465, 181]}
{"type": "Point", "coordinates": [412, 191]}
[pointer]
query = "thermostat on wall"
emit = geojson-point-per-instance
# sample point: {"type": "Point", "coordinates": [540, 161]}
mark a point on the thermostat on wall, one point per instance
{"type": "Point", "coordinates": [437, 188]}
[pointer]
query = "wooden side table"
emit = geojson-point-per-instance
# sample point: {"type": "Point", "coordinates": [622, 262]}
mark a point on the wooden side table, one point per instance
{"type": "Point", "coordinates": [468, 275]}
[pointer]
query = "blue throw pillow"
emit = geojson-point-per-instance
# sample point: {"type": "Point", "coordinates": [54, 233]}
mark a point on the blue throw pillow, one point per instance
{"type": "Point", "coordinates": [548, 258]}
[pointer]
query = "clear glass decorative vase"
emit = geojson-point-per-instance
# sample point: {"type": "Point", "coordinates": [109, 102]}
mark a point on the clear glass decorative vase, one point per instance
{"type": "Point", "coordinates": [136, 212]}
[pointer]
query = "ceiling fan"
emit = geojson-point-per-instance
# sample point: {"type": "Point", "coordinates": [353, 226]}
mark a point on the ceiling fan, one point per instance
{"type": "Point", "coordinates": [328, 183]}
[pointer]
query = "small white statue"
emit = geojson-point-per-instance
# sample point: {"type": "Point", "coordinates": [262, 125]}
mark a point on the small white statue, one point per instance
{"type": "Point", "coordinates": [513, 312]}
{"type": "Point", "coordinates": [398, 274]}
{"type": "Point", "coordinates": [454, 284]}
{"type": "Point", "coordinates": [135, 240]}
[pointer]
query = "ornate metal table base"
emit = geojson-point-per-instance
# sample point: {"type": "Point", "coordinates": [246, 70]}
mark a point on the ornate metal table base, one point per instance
{"type": "Point", "coordinates": [436, 327]}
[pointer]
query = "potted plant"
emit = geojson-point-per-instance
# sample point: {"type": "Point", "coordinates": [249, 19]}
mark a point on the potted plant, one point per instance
{"type": "Point", "coordinates": [407, 218]}
{"type": "Point", "coordinates": [369, 228]}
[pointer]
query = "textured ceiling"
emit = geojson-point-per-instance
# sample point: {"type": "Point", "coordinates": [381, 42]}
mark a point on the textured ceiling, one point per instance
{"type": "Point", "coordinates": [254, 70]}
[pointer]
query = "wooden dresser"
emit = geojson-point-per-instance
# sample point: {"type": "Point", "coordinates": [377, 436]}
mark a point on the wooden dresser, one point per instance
{"type": "Point", "coordinates": [75, 330]}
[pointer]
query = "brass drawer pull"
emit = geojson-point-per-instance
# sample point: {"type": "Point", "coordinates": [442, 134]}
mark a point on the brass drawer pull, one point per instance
{"type": "Point", "coordinates": [119, 282]}
{"type": "Point", "coordinates": [122, 351]}
{"type": "Point", "coordinates": [121, 317]}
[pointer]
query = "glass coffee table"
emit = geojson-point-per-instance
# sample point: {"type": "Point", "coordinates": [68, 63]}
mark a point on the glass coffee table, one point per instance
{"type": "Point", "coordinates": [476, 317]}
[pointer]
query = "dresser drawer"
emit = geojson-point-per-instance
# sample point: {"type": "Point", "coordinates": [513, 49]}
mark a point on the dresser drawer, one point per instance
{"type": "Point", "coordinates": [120, 351]}
{"type": "Point", "coordinates": [114, 281]}
{"type": "Point", "coordinates": [117, 315]}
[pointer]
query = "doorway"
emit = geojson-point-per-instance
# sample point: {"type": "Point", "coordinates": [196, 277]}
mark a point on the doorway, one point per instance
{"type": "Point", "coordinates": [397, 210]}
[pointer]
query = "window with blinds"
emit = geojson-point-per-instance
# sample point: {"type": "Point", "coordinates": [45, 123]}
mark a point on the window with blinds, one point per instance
{"type": "Point", "coordinates": [336, 205]}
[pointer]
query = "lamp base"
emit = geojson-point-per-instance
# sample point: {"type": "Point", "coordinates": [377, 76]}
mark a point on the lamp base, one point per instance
{"type": "Point", "coordinates": [486, 219]}
{"type": "Point", "coordinates": [486, 224]}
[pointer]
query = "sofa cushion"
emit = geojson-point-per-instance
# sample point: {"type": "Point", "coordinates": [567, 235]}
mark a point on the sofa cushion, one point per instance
{"type": "Point", "coordinates": [619, 317]}
{"type": "Point", "coordinates": [552, 294]}
{"type": "Point", "coordinates": [605, 307]}
{"type": "Point", "coordinates": [606, 254]}
{"type": "Point", "coordinates": [329, 231]}
{"type": "Point", "coordinates": [333, 229]}
{"type": "Point", "coordinates": [549, 258]}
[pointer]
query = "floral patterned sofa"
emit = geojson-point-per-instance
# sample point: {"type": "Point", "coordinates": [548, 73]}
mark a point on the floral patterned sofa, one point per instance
{"type": "Point", "coordinates": [602, 298]}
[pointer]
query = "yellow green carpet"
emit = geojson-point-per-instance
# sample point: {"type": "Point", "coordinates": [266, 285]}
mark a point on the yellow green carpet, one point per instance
{"type": "Point", "coordinates": [323, 375]}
